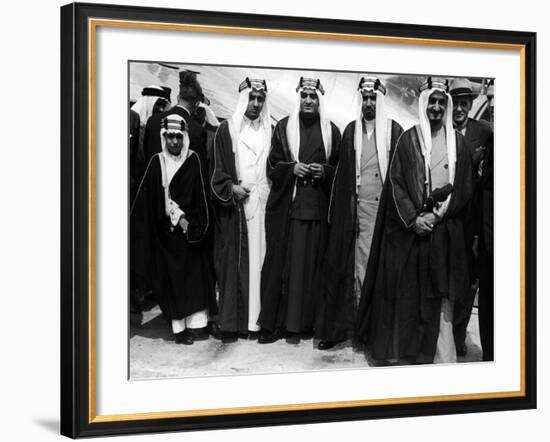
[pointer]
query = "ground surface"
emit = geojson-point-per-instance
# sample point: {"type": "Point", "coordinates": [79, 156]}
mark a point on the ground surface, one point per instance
{"type": "Point", "coordinates": [154, 354]}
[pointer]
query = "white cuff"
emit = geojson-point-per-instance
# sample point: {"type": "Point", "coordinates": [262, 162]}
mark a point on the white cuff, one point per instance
{"type": "Point", "coordinates": [175, 213]}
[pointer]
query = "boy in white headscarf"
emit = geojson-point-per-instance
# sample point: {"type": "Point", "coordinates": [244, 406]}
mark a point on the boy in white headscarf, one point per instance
{"type": "Point", "coordinates": [239, 192]}
{"type": "Point", "coordinates": [418, 268]}
{"type": "Point", "coordinates": [301, 165]}
{"type": "Point", "coordinates": [168, 223]}
{"type": "Point", "coordinates": [365, 152]}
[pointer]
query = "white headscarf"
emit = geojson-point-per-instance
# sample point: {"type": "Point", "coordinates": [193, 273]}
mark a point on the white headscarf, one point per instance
{"type": "Point", "coordinates": [144, 105]}
{"type": "Point", "coordinates": [293, 126]}
{"type": "Point", "coordinates": [175, 124]}
{"type": "Point", "coordinates": [382, 127]}
{"type": "Point", "coordinates": [211, 118]}
{"type": "Point", "coordinates": [427, 89]}
{"type": "Point", "coordinates": [236, 120]}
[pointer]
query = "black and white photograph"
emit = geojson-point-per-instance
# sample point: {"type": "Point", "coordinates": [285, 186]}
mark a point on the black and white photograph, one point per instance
{"type": "Point", "coordinates": [298, 220]}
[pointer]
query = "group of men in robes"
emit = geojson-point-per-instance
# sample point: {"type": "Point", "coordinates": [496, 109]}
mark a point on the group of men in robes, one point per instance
{"type": "Point", "coordinates": [380, 235]}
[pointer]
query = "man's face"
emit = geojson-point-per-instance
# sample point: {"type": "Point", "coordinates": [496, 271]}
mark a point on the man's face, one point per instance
{"type": "Point", "coordinates": [309, 102]}
{"type": "Point", "coordinates": [461, 109]}
{"type": "Point", "coordinates": [160, 106]}
{"type": "Point", "coordinates": [174, 142]}
{"type": "Point", "coordinates": [437, 104]}
{"type": "Point", "coordinates": [369, 105]}
{"type": "Point", "coordinates": [256, 102]}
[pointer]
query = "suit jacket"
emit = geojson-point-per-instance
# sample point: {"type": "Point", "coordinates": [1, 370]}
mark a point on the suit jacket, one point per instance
{"type": "Point", "coordinates": [478, 134]}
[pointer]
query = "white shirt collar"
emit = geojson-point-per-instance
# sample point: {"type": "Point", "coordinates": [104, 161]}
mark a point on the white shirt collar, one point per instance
{"type": "Point", "coordinates": [368, 127]}
{"type": "Point", "coordinates": [247, 122]}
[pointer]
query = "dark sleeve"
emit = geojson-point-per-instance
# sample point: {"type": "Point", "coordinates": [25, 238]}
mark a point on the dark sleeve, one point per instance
{"type": "Point", "coordinates": [396, 132]}
{"type": "Point", "coordinates": [398, 168]}
{"type": "Point", "coordinates": [342, 196]}
{"type": "Point", "coordinates": [197, 138]}
{"type": "Point", "coordinates": [330, 165]}
{"type": "Point", "coordinates": [145, 215]}
{"type": "Point", "coordinates": [196, 212]}
{"type": "Point", "coordinates": [221, 182]}
{"type": "Point", "coordinates": [279, 169]}
{"type": "Point", "coordinates": [151, 139]}
{"type": "Point", "coordinates": [463, 187]}
{"type": "Point", "coordinates": [135, 166]}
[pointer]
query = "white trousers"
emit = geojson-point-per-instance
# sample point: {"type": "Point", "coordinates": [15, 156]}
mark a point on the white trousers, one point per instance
{"type": "Point", "coordinates": [196, 320]}
{"type": "Point", "coordinates": [445, 351]}
{"type": "Point", "coordinates": [256, 255]}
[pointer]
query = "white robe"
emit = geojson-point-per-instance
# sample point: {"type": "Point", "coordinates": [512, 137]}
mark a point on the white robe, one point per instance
{"type": "Point", "coordinates": [251, 161]}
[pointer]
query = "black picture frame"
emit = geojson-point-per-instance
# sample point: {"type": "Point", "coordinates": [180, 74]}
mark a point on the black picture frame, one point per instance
{"type": "Point", "coordinates": [77, 418]}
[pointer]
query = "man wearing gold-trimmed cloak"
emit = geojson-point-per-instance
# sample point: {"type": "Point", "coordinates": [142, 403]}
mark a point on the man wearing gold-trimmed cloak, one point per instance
{"type": "Point", "coordinates": [301, 165]}
{"type": "Point", "coordinates": [418, 268]}
{"type": "Point", "coordinates": [168, 224]}
{"type": "Point", "coordinates": [239, 193]}
{"type": "Point", "coordinates": [365, 152]}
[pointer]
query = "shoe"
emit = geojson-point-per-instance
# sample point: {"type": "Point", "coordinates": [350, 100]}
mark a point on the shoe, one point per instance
{"type": "Point", "coordinates": [214, 330]}
{"type": "Point", "coordinates": [327, 345]}
{"type": "Point", "coordinates": [461, 350]}
{"type": "Point", "coordinates": [184, 338]}
{"type": "Point", "coordinates": [307, 334]}
{"type": "Point", "coordinates": [253, 335]}
{"type": "Point", "coordinates": [199, 334]}
{"type": "Point", "coordinates": [269, 337]}
{"type": "Point", "coordinates": [229, 337]}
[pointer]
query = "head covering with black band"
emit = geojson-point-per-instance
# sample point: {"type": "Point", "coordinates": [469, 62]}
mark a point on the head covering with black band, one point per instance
{"type": "Point", "coordinates": [245, 88]}
{"type": "Point", "coordinates": [430, 85]}
{"type": "Point", "coordinates": [149, 97]}
{"type": "Point", "coordinates": [293, 126]}
{"type": "Point", "coordinates": [382, 125]}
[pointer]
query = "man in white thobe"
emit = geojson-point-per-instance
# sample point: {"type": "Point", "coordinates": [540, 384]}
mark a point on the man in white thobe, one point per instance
{"type": "Point", "coordinates": [240, 189]}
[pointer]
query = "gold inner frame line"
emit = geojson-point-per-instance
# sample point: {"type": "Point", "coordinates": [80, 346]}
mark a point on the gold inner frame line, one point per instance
{"type": "Point", "coordinates": [93, 24]}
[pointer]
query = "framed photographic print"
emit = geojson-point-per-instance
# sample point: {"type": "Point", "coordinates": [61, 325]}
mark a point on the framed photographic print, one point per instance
{"type": "Point", "coordinates": [274, 220]}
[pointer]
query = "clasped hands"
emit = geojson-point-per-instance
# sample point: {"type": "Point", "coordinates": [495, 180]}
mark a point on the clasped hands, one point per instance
{"type": "Point", "coordinates": [301, 170]}
{"type": "Point", "coordinates": [424, 223]}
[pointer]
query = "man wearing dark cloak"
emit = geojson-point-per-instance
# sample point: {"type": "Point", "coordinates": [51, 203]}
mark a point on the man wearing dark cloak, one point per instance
{"type": "Point", "coordinates": [153, 100]}
{"type": "Point", "coordinates": [189, 97]}
{"type": "Point", "coordinates": [301, 165]}
{"type": "Point", "coordinates": [418, 267]}
{"type": "Point", "coordinates": [365, 152]}
{"type": "Point", "coordinates": [168, 222]}
{"type": "Point", "coordinates": [239, 193]}
{"type": "Point", "coordinates": [479, 135]}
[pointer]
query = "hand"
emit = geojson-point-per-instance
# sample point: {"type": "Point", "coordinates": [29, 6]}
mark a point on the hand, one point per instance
{"type": "Point", "coordinates": [475, 246]}
{"type": "Point", "coordinates": [240, 192]}
{"type": "Point", "coordinates": [317, 170]}
{"type": "Point", "coordinates": [430, 217]}
{"type": "Point", "coordinates": [183, 223]}
{"type": "Point", "coordinates": [421, 226]}
{"type": "Point", "coordinates": [301, 170]}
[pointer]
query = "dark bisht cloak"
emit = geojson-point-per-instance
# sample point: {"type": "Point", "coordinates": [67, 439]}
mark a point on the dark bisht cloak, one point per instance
{"type": "Point", "coordinates": [337, 311]}
{"type": "Point", "coordinates": [175, 265]}
{"type": "Point", "coordinates": [280, 170]}
{"type": "Point", "coordinates": [230, 238]}
{"type": "Point", "coordinates": [408, 275]}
